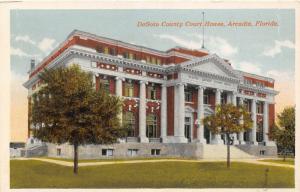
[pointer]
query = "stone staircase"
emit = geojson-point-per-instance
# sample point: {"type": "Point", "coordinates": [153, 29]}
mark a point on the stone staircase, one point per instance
{"type": "Point", "coordinates": [35, 150]}
{"type": "Point", "coordinates": [220, 152]}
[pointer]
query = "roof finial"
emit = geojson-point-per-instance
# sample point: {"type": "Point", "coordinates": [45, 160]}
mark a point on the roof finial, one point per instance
{"type": "Point", "coordinates": [203, 24]}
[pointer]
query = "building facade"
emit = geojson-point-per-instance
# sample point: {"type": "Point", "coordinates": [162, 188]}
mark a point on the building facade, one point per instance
{"type": "Point", "coordinates": [165, 95]}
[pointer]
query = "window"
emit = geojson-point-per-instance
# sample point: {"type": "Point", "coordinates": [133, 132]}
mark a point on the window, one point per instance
{"type": "Point", "coordinates": [126, 55]}
{"type": "Point", "coordinates": [151, 92]}
{"type": "Point", "coordinates": [128, 89]}
{"type": "Point", "coordinates": [188, 96]}
{"type": "Point", "coordinates": [187, 128]}
{"type": "Point", "coordinates": [99, 49]}
{"type": "Point", "coordinates": [148, 59]}
{"type": "Point", "coordinates": [129, 121]}
{"type": "Point", "coordinates": [107, 152]}
{"type": "Point", "coordinates": [223, 99]}
{"type": "Point", "coordinates": [153, 60]}
{"type": "Point", "coordinates": [106, 50]}
{"type": "Point", "coordinates": [132, 152]}
{"type": "Point", "coordinates": [158, 61]}
{"type": "Point", "coordinates": [262, 152]}
{"type": "Point", "coordinates": [132, 56]}
{"type": "Point", "coordinates": [104, 83]}
{"type": "Point", "coordinates": [112, 51]}
{"type": "Point", "coordinates": [155, 152]}
{"type": "Point", "coordinates": [205, 98]}
{"type": "Point", "coordinates": [247, 82]}
{"type": "Point", "coordinates": [151, 129]}
{"type": "Point", "coordinates": [259, 108]}
{"type": "Point", "coordinates": [58, 152]}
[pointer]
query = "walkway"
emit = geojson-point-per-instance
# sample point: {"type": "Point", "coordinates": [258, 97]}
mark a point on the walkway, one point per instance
{"type": "Point", "coordinates": [70, 164]}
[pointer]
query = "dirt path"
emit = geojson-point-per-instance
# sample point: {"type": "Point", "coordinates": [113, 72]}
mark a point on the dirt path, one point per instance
{"type": "Point", "coordinates": [70, 164]}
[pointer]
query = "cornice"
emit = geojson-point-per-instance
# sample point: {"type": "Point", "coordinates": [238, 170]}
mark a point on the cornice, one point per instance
{"type": "Point", "coordinates": [258, 89]}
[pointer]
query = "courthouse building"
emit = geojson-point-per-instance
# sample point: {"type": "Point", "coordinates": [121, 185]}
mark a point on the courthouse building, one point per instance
{"type": "Point", "coordinates": [165, 96]}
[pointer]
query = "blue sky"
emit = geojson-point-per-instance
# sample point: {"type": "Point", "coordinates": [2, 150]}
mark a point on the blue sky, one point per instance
{"type": "Point", "coordinates": [266, 51]}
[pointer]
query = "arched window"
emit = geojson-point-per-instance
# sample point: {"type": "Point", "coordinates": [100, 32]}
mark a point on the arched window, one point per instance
{"type": "Point", "coordinates": [129, 121]}
{"type": "Point", "coordinates": [151, 130]}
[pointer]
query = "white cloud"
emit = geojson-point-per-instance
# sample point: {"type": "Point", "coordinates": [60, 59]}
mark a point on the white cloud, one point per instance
{"type": "Point", "coordinates": [249, 67]}
{"type": "Point", "coordinates": [272, 51]}
{"type": "Point", "coordinates": [221, 46]}
{"type": "Point", "coordinates": [190, 44]}
{"type": "Point", "coordinates": [25, 38]}
{"type": "Point", "coordinates": [47, 44]}
{"type": "Point", "coordinates": [214, 44]}
{"type": "Point", "coordinates": [18, 52]}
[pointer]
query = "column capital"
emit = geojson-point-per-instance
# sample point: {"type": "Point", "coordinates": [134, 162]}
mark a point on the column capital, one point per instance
{"type": "Point", "coordinates": [143, 82]}
{"type": "Point", "coordinates": [234, 93]}
{"type": "Point", "coordinates": [120, 78]}
{"type": "Point", "coordinates": [219, 90]}
{"type": "Point", "coordinates": [181, 83]}
{"type": "Point", "coordinates": [163, 85]}
{"type": "Point", "coordinates": [201, 87]}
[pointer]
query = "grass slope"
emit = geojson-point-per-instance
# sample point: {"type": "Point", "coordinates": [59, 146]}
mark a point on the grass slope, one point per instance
{"type": "Point", "coordinates": [37, 174]}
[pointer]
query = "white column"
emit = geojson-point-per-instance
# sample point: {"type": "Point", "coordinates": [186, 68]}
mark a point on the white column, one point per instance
{"type": "Point", "coordinates": [181, 113]}
{"type": "Point", "coordinates": [253, 112]}
{"type": "Point", "coordinates": [241, 134]}
{"type": "Point", "coordinates": [163, 112]}
{"type": "Point", "coordinates": [94, 79]}
{"type": "Point", "coordinates": [119, 91]}
{"type": "Point", "coordinates": [217, 137]}
{"type": "Point", "coordinates": [233, 101]}
{"type": "Point", "coordinates": [200, 113]}
{"type": "Point", "coordinates": [175, 110]}
{"type": "Point", "coordinates": [119, 86]}
{"type": "Point", "coordinates": [266, 123]}
{"type": "Point", "coordinates": [142, 113]}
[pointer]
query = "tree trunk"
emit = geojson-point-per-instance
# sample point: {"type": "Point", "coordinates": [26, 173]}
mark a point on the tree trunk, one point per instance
{"type": "Point", "coordinates": [284, 154]}
{"type": "Point", "coordinates": [228, 150]}
{"type": "Point", "coordinates": [75, 170]}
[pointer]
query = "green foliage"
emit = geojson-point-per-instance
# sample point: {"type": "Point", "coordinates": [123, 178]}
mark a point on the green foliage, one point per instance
{"type": "Point", "coordinates": [68, 109]}
{"type": "Point", "coordinates": [228, 119]}
{"type": "Point", "coordinates": [284, 132]}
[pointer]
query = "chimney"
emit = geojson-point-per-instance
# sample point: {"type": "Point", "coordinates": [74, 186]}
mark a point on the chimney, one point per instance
{"type": "Point", "coordinates": [32, 64]}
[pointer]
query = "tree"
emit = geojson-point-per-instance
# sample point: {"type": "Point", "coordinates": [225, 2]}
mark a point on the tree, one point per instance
{"type": "Point", "coordinates": [228, 119]}
{"type": "Point", "coordinates": [68, 108]}
{"type": "Point", "coordinates": [284, 132]}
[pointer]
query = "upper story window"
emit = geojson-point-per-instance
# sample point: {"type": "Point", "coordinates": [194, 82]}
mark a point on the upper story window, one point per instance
{"type": "Point", "coordinates": [126, 55]}
{"type": "Point", "coordinates": [205, 98]}
{"type": "Point", "coordinates": [106, 50]}
{"type": "Point", "coordinates": [259, 108]}
{"type": "Point", "coordinates": [158, 61]}
{"type": "Point", "coordinates": [152, 92]}
{"type": "Point", "coordinates": [260, 84]}
{"type": "Point", "coordinates": [112, 51]}
{"type": "Point", "coordinates": [129, 89]}
{"type": "Point", "coordinates": [188, 95]}
{"type": "Point", "coordinates": [153, 60]}
{"type": "Point", "coordinates": [247, 82]}
{"type": "Point", "coordinates": [148, 59]}
{"type": "Point", "coordinates": [223, 99]}
{"type": "Point", "coordinates": [132, 56]}
{"type": "Point", "coordinates": [99, 49]}
{"type": "Point", "coordinates": [104, 83]}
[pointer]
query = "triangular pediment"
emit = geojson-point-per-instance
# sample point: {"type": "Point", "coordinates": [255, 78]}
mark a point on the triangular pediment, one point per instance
{"type": "Point", "coordinates": [212, 64]}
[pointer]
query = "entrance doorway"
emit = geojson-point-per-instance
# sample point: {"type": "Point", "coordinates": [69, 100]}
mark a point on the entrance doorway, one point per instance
{"type": "Point", "coordinates": [187, 128]}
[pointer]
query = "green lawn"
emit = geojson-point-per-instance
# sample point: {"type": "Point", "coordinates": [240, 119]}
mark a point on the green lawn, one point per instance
{"type": "Point", "coordinates": [38, 174]}
{"type": "Point", "coordinates": [287, 161]}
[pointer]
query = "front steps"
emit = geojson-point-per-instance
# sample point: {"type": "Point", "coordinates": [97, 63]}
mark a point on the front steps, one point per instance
{"type": "Point", "coordinates": [220, 152]}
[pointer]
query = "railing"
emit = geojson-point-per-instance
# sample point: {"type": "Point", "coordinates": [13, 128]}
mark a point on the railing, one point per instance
{"type": "Point", "coordinates": [132, 139]}
{"type": "Point", "coordinates": [154, 140]}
